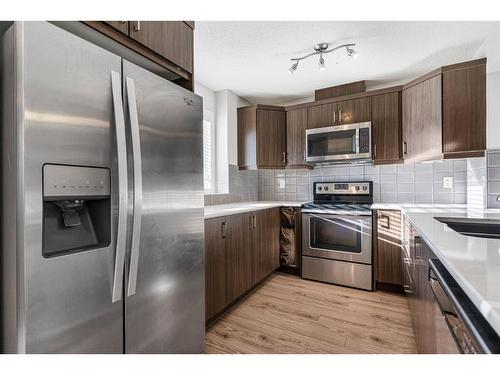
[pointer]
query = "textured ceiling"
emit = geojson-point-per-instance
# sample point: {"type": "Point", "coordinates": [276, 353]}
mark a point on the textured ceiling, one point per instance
{"type": "Point", "coordinates": [252, 58]}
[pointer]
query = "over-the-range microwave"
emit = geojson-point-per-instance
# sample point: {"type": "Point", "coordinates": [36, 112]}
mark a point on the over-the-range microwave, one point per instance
{"type": "Point", "coordinates": [339, 143]}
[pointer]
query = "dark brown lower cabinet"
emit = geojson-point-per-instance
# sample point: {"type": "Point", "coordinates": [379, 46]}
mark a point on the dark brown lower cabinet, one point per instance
{"type": "Point", "coordinates": [215, 265]}
{"type": "Point", "coordinates": [240, 251]}
{"type": "Point", "coordinates": [388, 245]}
{"type": "Point", "coordinates": [431, 331]}
{"type": "Point", "coordinates": [239, 244]}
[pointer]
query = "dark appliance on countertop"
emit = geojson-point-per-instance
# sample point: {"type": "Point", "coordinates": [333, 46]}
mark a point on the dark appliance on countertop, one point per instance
{"type": "Point", "coordinates": [337, 234]}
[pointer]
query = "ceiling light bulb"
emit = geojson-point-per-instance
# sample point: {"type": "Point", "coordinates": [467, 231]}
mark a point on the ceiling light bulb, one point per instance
{"type": "Point", "coordinates": [293, 68]}
{"type": "Point", "coordinates": [352, 53]}
{"type": "Point", "coordinates": [321, 63]}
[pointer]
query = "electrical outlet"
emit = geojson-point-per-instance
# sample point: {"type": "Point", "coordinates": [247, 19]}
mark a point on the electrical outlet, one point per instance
{"type": "Point", "coordinates": [282, 183]}
{"type": "Point", "coordinates": [447, 182]}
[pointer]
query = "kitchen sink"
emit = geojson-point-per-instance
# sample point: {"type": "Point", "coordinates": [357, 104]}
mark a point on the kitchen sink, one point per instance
{"type": "Point", "coordinates": [484, 228]}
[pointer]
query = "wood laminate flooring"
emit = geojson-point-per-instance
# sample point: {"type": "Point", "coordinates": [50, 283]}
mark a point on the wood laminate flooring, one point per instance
{"type": "Point", "coordinates": [290, 315]}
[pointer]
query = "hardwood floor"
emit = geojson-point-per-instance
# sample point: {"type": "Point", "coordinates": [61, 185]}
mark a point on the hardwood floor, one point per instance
{"type": "Point", "coordinates": [290, 315]}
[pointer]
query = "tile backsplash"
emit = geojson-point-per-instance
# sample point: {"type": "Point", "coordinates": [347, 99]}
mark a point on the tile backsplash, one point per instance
{"type": "Point", "coordinates": [242, 188]}
{"type": "Point", "coordinates": [418, 183]}
{"type": "Point", "coordinates": [475, 181]}
{"type": "Point", "coordinates": [493, 172]}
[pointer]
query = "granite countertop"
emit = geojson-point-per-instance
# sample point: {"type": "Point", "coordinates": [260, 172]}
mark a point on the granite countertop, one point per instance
{"type": "Point", "coordinates": [473, 262]}
{"type": "Point", "coordinates": [238, 208]}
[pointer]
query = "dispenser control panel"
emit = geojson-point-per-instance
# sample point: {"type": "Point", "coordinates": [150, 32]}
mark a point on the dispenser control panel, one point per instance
{"type": "Point", "coordinates": [61, 181]}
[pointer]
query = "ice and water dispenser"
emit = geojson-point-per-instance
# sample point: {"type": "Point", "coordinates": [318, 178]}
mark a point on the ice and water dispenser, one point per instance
{"type": "Point", "coordinates": [76, 209]}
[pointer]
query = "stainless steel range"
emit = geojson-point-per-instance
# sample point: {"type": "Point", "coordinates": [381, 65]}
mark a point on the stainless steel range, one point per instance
{"type": "Point", "coordinates": [337, 234]}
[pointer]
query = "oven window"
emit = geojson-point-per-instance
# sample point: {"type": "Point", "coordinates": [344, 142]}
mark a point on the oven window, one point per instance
{"type": "Point", "coordinates": [335, 234]}
{"type": "Point", "coordinates": [332, 143]}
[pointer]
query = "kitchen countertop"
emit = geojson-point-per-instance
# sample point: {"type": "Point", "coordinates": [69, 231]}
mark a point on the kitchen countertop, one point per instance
{"type": "Point", "coordinates": [239, 208]}
{"type": "Point", "coordinates": [473, 262]}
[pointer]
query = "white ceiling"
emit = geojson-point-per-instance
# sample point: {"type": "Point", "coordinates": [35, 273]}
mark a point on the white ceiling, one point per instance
{"type": "Point", "coordinates": [252, 58]}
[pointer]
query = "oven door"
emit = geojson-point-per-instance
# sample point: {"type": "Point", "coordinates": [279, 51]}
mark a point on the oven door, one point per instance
{"type": "Point", "coordinates": [341, 142]}
{"type": "Point", "coordinates": [340, 237]}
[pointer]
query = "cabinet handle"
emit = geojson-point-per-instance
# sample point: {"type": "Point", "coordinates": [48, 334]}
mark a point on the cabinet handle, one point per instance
{"type": "Point", "coordinates": [223, 230]}
{"type": "Point", "coordinates": [387, 219]}
{"type": "Point", "coordinates": [137, 26]}
{"type": "Point", "coordinates": [305, 161]}
{"type": "Point", "coordinates": [334, 117]}
{"type": "Point", "coordinates": [407, 289]}
{"type": "Point", "coordinates": [418, 250]}
{"type": "Point", "coordinates": [284, 158]}
{"type": "Point", "coordinates": [254, 221]}
{"type": "Point", "coordinates": [404, 148]}
{"type": "Point", "coordinates": [340, 115]}
{"type": "Point", "coordinates": [250, 222]}
{"type": "Point", "coordinates": [375, 150]}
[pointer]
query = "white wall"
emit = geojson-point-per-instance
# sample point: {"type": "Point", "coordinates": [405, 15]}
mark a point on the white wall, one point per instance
{"type": "Point", "coordinates": [208, 96]}
{"type": "Point", "coordinates": [493, 110]}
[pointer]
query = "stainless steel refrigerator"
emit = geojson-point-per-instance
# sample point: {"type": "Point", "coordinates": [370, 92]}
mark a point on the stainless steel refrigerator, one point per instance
{"type": "Point", "coordinates": [102, 201]}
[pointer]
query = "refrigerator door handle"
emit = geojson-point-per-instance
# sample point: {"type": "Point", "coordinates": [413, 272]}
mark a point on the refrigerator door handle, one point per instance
{"type": "Point", "coordinates": [136, 153]}
{"type": "Point", "coordinates": [122, 187]}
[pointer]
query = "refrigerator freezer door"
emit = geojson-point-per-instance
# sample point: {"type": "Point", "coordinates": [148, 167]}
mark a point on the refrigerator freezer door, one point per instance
{"type": "Point", "coordinates": [166, 313]}
{"type": "Point", "coordinates": [68, 119]}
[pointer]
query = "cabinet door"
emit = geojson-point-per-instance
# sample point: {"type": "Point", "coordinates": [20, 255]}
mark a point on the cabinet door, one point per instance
{"type": "Point", "coordinates": [353, 111]}
{"type": "Point", "coordinates": [296, 125]}
{"type": "Point", "coordinates": [247, 137]}
{"type": "Point", "coordinates": [121, 26]}
{"type": "Point", "coordinates": [320, 116]}
{"type": "Point", "coordinates": [266, 234]}
{"type": "Point", "coordinates": [271, 138]}
{"type": "Point", "coordinates": [170, 39]}
{"type": "Point", "coordinates": [389, 247]}
{"type": "Point", "coordinates": [239, 244]}
{"type": "Point", "coordinates": [386, 128]}
{"type": "Point", "coordinates": [424, 327]}
{"type": "Point", "coordinates": [177, 44]}
{"type": "Point", "coordinates": [464, 110]}
{"type": "Point", "coordinates": [215, 266]}
{"type": "Point", "coordinates": [422, 130]}
{"type": "Point", "coordinates": [148, 33]}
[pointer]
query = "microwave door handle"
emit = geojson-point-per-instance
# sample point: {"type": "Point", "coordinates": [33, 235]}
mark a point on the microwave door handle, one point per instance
{"type": "Point", "coordinates": [137, 162]}
{"type": "Point", "coordinates": [356, 141]}
{"type": "Point", "coordinates": [119, 118]}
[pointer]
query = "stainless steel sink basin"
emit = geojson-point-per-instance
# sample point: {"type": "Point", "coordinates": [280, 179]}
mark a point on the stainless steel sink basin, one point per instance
{"type": "Point", "coordinates": [484, 228]}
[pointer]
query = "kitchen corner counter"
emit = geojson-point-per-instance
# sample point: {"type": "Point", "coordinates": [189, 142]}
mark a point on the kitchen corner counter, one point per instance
{"type": "Point", "coordinates": [239, 208]}
{"type": "Point", "coordinates": [473, 262]}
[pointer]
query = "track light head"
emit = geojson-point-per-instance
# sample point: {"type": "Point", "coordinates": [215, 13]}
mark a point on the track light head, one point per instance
{"type": "Point", "coordinates": [321, 62]}
{"type": "Point", "coordinates": [294, 67]}
{"type": "Point", "coordinates": [351, 52]}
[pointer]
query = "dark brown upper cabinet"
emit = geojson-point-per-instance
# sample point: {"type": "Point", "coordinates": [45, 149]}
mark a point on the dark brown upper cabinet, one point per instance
{"type": "Point", "coordinates": [386, 128]}
{"type": "Point", "coordinates": [341, 113]}
{"type": "Point", "coordinates": [261, 137]}
{"type": "Point", "coordinates": [121, 26]}
{"type": "Point", "coordinates": [167, 43]}
{"type": "Point", "coordinates": [354, 111]}
{"type": "Point", "coordinates": [170, 39]}
{"type": "Point", "coordinates": [444, 113]}
{"type": "Point", "coordinates": [464, 110]}
{"type": "Point", "coordinates": [296, 125]}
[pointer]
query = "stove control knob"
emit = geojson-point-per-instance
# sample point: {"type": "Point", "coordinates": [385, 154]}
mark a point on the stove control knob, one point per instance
{"type": "Point", "coordinates": [326, 188]}
{"type": "Point", "coordinates": [357, 188]}
{"type": "Point", "coordinates": [319, 188]}
{"type": "Point", "coordinates": [364, 188]}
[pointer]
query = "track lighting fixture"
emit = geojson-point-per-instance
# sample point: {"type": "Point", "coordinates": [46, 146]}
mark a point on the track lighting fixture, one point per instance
{"type": "Point", "coordinates": [321, 49]}
{"type": "Point", "coordinates": [293, 68]}
{"type": "Point", "coordinates": [321, 63]}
